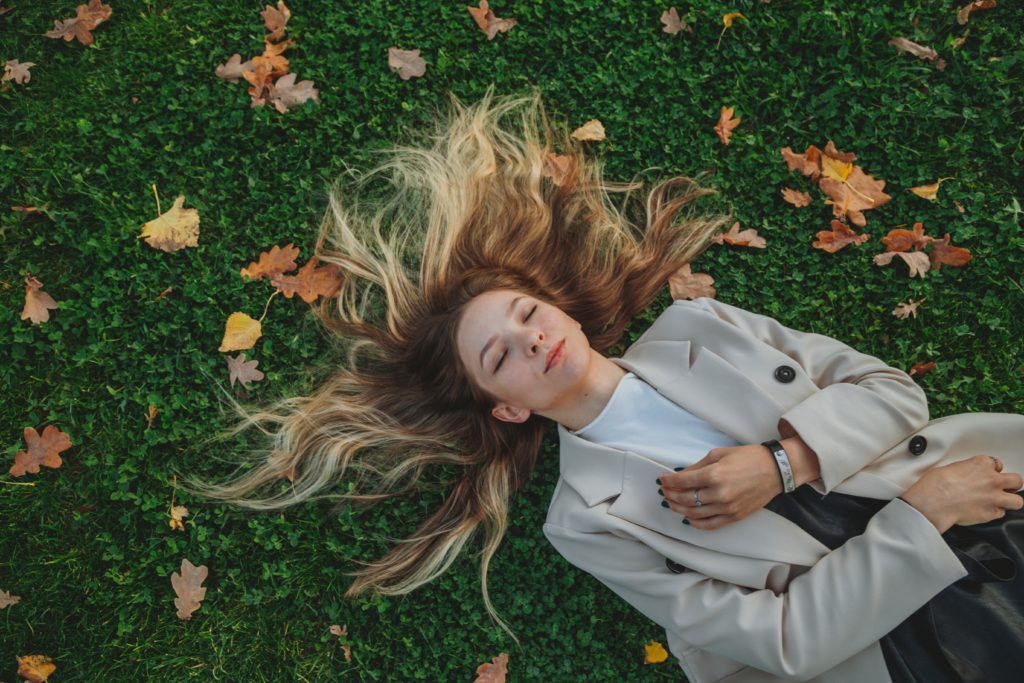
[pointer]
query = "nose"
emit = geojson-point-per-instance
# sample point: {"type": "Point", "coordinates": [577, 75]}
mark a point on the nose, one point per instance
{"type": "Point", "coordinates": [534, 338]}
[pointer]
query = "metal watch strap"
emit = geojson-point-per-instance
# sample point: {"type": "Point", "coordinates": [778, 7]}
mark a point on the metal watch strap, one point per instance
{"type": "Point", "coordinates": [782, 460]}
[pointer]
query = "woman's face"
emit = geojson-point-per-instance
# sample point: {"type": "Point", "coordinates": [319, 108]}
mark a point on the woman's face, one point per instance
{"type": "Point", "coordinates": [529, 354]}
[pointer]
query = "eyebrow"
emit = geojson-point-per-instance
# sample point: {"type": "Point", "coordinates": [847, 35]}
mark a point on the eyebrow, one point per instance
{"type": "Point", "coordinates": [511, 307]}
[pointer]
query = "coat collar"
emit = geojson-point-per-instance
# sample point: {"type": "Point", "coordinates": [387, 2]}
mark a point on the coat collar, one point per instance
{"type": "Point", "coordinates": [705, 384]}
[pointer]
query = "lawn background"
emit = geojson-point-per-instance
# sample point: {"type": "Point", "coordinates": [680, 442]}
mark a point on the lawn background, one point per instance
{"type": "Point", "coordinates": [95, 586]}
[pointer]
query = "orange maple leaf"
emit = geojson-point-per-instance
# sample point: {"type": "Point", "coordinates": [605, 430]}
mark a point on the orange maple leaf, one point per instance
{"type": "Point", "coordinates": [725, 124]}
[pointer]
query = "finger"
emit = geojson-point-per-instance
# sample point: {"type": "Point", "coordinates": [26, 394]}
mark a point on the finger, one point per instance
{"type": "Point", "coordinates": [703, 512]}
{"type": "Point", "coordinates": [997, 462]}
{"type": "Point", "coordinates": [1011, 481]}
{"type": "Point", "coordinates": [690, 478]}
{"type": "Point", "coordinates": [1011, 501]}
{"type": "Point", "coordinates": [711, 523]}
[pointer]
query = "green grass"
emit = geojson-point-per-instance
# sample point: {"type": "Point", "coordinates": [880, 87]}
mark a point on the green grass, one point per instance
{"type": "Point", "coordinates": [95, 586]}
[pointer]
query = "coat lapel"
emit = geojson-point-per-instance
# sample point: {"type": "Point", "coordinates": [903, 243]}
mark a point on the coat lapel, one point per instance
{"type": "Point", "coordinates": [708, 386]}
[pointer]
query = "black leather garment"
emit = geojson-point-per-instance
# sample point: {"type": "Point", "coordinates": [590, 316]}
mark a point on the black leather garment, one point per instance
{"type": "Point", "coordinates": [973, 630]}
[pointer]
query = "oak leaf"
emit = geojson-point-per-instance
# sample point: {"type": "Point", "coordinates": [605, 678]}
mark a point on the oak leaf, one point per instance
{"type": "Point", "coordinates": [591, 130]}
{"type": "Point", "coordinates": [243, 371]}
{"type": "Point", "coordinates": [42, 450]}
{"type": "Point", "coordinates": [796, 198]}
{"type": "Point", "coordinates": [240, 332]}
{"type": "Point", "coordinates": [735, 237]}
{"type": "Point", "coordinates": [725, 124]}
{"type": "Point", "coordinates": [808, 163]}
{"type": "Point", "coordinates": [673, 24]}
{"type": "Point", "coordinates": [943, 253]}
{"type": "Point", "coordinates": [271, 58]}
{"type": "Point", "coordinates": [408, 62]}
{"type": "Point", "coordinates": [494, 671]}
{"type": "Point", "coordinates": [964, 12]}
{"type": "Point", "coordinates": [488, 22]}
{"type": "Point", "coordinates": [17, 71]}
{"type": "Point", "coordinates": [37, 302]}
{"type": "Point", "coordinates": [561, 168]}
{"type": "Point", "coordinates": [276, 261]}
{"type": "Point", "coordinates": [35, 668]}
{"type": "Point", "coordinates": [188, 589]}
{"type": "Point", "coordinates": [232, 70]}
{"type": "Point", "coordinates": [655, 653]}
{"type": "Point", "coordinates": [929, 191]}
{"type": "Point", "coordinates": [917, 261]}
{"type": "Point", "coordinates": [905, 310]}
{"type": "Point", "coordinates": [286, 93]}
{"type": "Point", "coordinates": [310, 282]}
{"type": "Point", "coordinates": [685, 284]}
{"type": "Point", "coordinates": [899, 239]}
{"type": "Point", "coordinates": [838, 237]}
{"type": "Point", "coordinates": [854, 195]}
{"type": "Point", "coordinates": [6, 599]}
{"type": "Point", "coordinates": [87, 18]}
{"type": "Point", "coordinates": [275, 20]}
{"type": "Point", "coordinates": [174, 229]}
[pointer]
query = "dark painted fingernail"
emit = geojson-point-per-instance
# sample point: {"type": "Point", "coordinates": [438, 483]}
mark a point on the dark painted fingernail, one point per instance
{"type": "Point", "coordinates": [658, 482]}
{"type": "Point", "coordinates": [664, 503]}
{"type": "Point", "coordinates": [679, 468]}
{"type": "Point", "coordinates": [660, 492]}
{"type": "Point", "coordinates": [686, 521]}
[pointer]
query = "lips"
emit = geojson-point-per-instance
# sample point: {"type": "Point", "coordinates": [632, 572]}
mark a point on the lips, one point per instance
{"type": "Point", "coordinates": [553, 355]}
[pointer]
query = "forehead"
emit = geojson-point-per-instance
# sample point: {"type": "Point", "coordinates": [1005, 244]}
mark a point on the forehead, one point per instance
{"type": "Point", "coordinates": [483, 311]}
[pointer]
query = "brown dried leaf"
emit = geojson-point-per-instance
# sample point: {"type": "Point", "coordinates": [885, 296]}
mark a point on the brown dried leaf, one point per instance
{"type": "Point", "coordinates": [964, 14]}
{"type": "Point", "coordinates": [685, 284]}
{"type": "Point", "coordinates": [917, 261]}
{"type": "Point", "coordinates": [591, 130]}
{"type": "Point", "coordinates": [725, 124]}
{"type": "Point", "coordinates": [37, 302]}
{"type": "Point", "coordinates": [339, 630]}
{"type": "Point", "coordinates": [242, 370]}
{"type": "Point", "coordinates": [42, 450]}
{"type": "Point", "coordinates": [858, 193]}
{"type": "Point", "coordinates": [493, 671]}
{"type": "Point", "coordinates": [746, 238]}
{"type": "Point", "coordinates": [920, 369]}
{"type": "Point", "coordinates": [187, 587]}
{"type": "Point", "coordinates": [904, 310]}
{"type": "Point", "coordinates": [919, 51]}
{"type": "Point", "coordinates": [488, 22]}
{"type": "Point", "coordinates": [17, 71]}
{"type": "Point", "coordinates": [6, 599]}
{"type": "Point", "coordinates": [929, 191]}
{"type": "Point", "coordinates": [234, 68]}
{"type": "Point", "coordinates": [310, 282]}
{"type": "Point", "coordinates": [808, 163]}
{"type": "Point", "coordinates": [561, 168]}
{"type": "Point", "coordinates": [275, 20]}
{"type": "Point", "coordinates": [899, 239]}
{"type": "Point", "coordinates": [838, 237]}
{"type": "Point", "coordinates": [150, 415]}
{"type": "Point", "coordinates": [798, 199]}
{"type": "Point", "coordinates": [286, 93]}
{"type": "Point", "coordinates": [943, 253]}
{"type": "Point", "coordinates": [80, 26]}
{"type": "Point", "coordinates": [673, 24]}
{"type": "Point", "coordinates": [408, 62]}
{"type": "Point", "coordinates": [272, 262]}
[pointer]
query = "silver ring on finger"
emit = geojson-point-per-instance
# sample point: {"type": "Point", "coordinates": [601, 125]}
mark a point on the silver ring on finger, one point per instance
{"type": "Point", "coordinates": [696, 498]}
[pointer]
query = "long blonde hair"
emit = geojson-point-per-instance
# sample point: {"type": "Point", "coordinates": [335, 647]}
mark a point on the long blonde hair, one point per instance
{"type": "Point", "coordinates": [486, 205]}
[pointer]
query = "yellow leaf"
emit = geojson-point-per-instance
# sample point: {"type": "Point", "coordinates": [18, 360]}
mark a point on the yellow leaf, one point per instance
{"type": "Point", "coordinates": [655, 653]}
{"type": "Point", "coordinates": [173, 229]}
{"type": "Point", "coordinates": [727, 18]}
{"type": "Point", "coordinates": [178, 515]}
{"type": "Point", "coordinates": [240, 332]}
{"type": "Point", "coordinates": [834, 168]}
{"type": "Point", "coordinates": [929, 191]}
{"type": "Point", "coordinates": [35, 668]}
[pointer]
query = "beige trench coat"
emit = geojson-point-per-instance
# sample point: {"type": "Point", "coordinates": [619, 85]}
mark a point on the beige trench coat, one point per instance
{"type": "Point", "coordinates": [761, 600]}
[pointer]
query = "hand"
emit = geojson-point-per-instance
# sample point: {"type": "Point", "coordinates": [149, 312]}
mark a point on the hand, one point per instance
{"type": "Point", "coordinates": [734, 482]}
{"type": "Point", "coordinates": [971, 491]}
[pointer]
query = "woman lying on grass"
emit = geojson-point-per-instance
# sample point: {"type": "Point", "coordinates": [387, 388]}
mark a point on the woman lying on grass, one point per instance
{"type": "Point", "coordinates": [779, 502]}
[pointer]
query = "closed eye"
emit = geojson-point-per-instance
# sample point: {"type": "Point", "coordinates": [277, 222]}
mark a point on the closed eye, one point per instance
{"type": "Point", "coordinates": [502, 359]}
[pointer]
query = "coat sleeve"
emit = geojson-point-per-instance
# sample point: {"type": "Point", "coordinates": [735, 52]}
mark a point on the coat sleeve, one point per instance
{"type": "Point", "coordinates": [889, 405]}
{"type": "Point", "coordinates": [850, 598]}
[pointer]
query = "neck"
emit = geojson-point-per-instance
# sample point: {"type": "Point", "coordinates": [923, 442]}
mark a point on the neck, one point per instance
{"type": "Point", "coordinates": [595, 392]}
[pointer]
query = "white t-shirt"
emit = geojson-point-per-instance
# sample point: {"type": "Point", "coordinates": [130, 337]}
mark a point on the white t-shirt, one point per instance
{"type": "Point", "coordinates": [639, 419]}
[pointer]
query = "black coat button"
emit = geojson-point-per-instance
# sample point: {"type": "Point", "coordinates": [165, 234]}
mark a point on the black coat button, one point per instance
{"type": "Point", "coordinates": [918, 444]}
{"type": "Point", "coordinates": [674, 567]}
{"type": "Point", "coordinates": [784, 373]}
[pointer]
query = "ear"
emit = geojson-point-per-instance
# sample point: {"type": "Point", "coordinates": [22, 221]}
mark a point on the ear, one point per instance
{"type": "Point", "coordinates": [507, 413]}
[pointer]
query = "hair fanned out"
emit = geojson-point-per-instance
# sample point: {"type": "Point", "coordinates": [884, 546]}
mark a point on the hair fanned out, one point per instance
{"type": "Point", "coordinates": [477, 208]}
